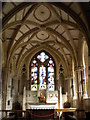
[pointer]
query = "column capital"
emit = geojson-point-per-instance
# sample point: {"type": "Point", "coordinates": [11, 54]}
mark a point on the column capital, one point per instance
{"type": "Point", "coordinates": [79, 68]}
{"type": "Point", "coordinates": [69, 77]}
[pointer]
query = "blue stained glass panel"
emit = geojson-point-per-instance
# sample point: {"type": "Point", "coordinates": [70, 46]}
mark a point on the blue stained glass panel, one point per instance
{"type": "Point", "coordinates": [42, 77]}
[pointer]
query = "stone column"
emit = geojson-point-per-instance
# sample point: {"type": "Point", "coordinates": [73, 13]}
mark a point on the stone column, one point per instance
{"type": "Point", "coordinates": [88, 76]}
{"type": "Point", "coordinates": [88, 85]}
{"type": "Point", "coordinates": [9, 87]}
{"type": "Point", "coordinates": [28, 80]}
{"type": "Point", "coordinates": [69, 96]}
{"type": "Point", "coordinates": [80, 110]}
{"type": "Point", "coordinates": [15, 90]}
{"type": "Point", "coordinates": [60, 90]}
{"type": "Point", "coordinates": [20, 96]}
{"type": "Point", "coordinates": [4, 87]}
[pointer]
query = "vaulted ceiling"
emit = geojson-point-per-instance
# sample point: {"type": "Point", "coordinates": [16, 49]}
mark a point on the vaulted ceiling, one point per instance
{"type": "Point", "coordinates": [60, 26]}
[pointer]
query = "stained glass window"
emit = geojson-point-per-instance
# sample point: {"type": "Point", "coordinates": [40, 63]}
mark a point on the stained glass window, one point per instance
{"type": "Point", "coordinates": [34, 71]}
{"type": "Point", "coordinates": [42, 77]}
{"type": "Point", "coordinates": [42, 70]}
{"type": "Point", "coordinates": [42, 57]}
{"type": "Point", "coordinates": [51, 75]}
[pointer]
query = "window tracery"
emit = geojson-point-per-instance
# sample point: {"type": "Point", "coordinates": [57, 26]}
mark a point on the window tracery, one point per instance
{"type": "Point", "coordinates": [42, 69]}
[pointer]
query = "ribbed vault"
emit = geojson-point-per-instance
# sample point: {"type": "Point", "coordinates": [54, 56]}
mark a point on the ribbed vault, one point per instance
{"type": "Point", "coordinates": [57, 27]}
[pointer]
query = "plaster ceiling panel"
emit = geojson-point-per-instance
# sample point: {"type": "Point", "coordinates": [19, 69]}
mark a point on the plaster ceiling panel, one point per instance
{"type": "Point", "coordinates": [26, 9]}
{"type": "Point", "coordinates": [83, 18]}
{"type": "Point", "coordinates": [52, 38]}
{"type": "Point", "coordinates": [70, 27]}
{"type": "Point", "coordinates": [55, 26]}
{"type": "Point", "coordinates": [58, 11]}
{"type": "Point", "coordinates": [17, 3]}
{"type": "Point", "coordinates": [21, 42]}
{"type": "Point", "coordinates": [56, 46]}
{"type": "Point", "coordinates": [26, 39]}
{"type": "Point", "coordinates": [19, 15]}
{"type": "Point", "coordinates": [34, 39]}
{"type": "Point", "coordinates": [59, 39]}
{"type": "Point", "coordinates": [51, 44]}
{"type": "Point", "coordinates": [16, 56]}
{"type": "Point", "coordinates": [65, 36]}
{"type": "Point", "coordinates": [18, 51]}
{"type": "Point", "coordinates": [31, 26]}
{"type": "Point", "coordinates": [74, 33]}
{"type": "Point", "coordinates": [68, 57]}
{"type": "Point", "coordinates": [75, 7]}
{"type": "Point", "coordinates": [24, 51]}
{"type": "Point", "coordinates": [28, 46]}
{"type": "Point", "coordinates": [8, 33]}
{"type": "Point", "coordinates": [34, 44]}
{"type": "Point", "coordinates": [60, 29]}
{"type": "Point", "coordinates": [64, 15]}
{"type": "Point", "coordinates": [76, 43]}
{"type": "Point", "coordinates": [18, 35]}
{"type": "Point", "coordinates": [24, 29]}
{"type": "Point", "coordinates": [14, 42]}
{"type": "Point", "coordinates": [13, 27]}
{"type": "Point", "coordinates": [60, 50]}
{"type": "Point", "coordinates": [54, 16]}
{"type": "Point", "coordinates": [31, 18]}
{"type": "Point", "coordinates": [8, 7]}
{"type": "Point", "coordinates": [42, 35]}
{"type": "Point", "coordinates": [66, 51]}
{"type": "Point", "coordinates": [42, 13]}
{"type": "Point", "coordinates": [12, 19]}
{"type": "Point", "coordinates": [71, 19]}
{"type": "Point", "coordinates": [7, 43]}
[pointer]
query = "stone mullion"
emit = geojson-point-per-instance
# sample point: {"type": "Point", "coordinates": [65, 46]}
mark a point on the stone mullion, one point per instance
{"type": "Point", "coordinates": [47, 78]}
{"type": "Point", "coordinates": [38, 78]}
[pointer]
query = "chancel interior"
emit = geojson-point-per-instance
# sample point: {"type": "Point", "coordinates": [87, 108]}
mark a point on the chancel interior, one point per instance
{"type": "Point", "coordinates": [45, 58]}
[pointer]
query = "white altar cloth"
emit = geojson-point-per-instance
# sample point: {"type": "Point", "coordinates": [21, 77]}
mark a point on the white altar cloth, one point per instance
{"type": "Point", "coordinates": [43, 106]}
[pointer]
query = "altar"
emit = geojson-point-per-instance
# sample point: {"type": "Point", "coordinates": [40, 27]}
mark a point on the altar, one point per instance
{"type": "Point", "coordinates": [41, 106]}
{"type": "Point", "coordinates": [41, 111]}
{"type": "Point", "coordinates": [48, 100]}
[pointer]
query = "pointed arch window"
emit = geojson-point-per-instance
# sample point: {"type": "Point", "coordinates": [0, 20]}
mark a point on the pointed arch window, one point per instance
{"type": "Point", "coordinates": [42, 69]}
